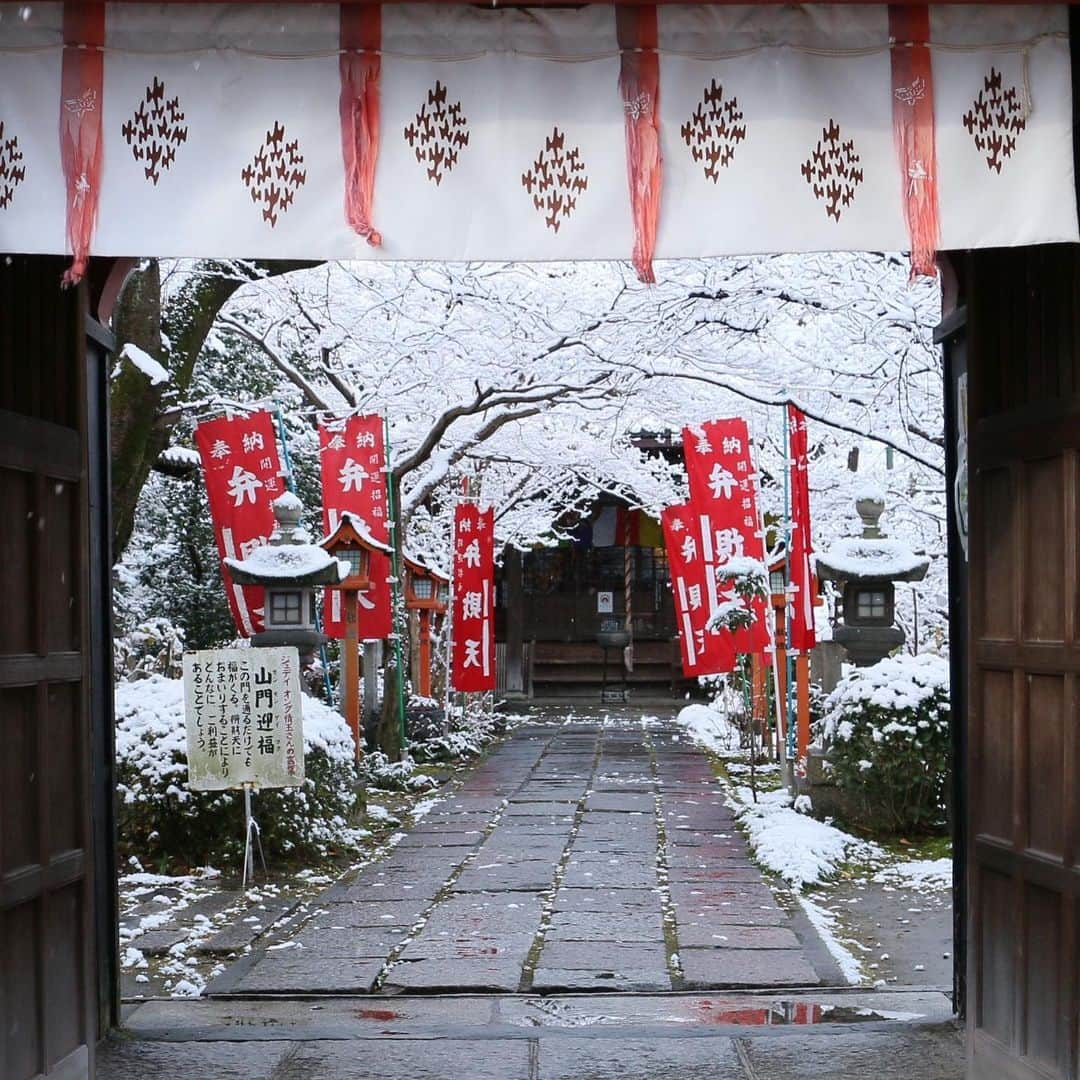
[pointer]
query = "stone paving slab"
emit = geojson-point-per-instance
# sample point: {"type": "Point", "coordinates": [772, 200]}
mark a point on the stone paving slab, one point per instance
{"type": "Point", "coordinates": [716, 936]}
{"type": "Point", "coordinates": [578, 1059]}
{"type": "Point", "coordinates": [568, 980]}
{"type": "Point", "coordinates": [448, 1059]}
{"type": "Point", "coordinates": [737, 967]}
{"type": "Point", "coordinates": [364, 913]}
{"type": "Point", "coordinates": [292, 974]}
{"type": "Point", "coordinates": [842, 1056]}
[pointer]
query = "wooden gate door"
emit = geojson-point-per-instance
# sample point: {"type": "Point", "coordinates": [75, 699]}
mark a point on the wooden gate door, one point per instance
{"type": "Point", "coordinates": [1023, 353]}
{"type": "Point", "coordinates": [48, 1020]}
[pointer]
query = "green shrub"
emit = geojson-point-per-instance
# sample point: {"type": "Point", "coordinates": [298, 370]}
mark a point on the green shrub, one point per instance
{"type": "Point", "coordinates": [164, 824]}
{"type": "Point", "coordinates": [887, 742]}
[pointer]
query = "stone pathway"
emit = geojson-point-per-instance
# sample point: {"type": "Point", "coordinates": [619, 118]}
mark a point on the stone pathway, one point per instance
{"type": "Point", "coordinates": [499, 938]}
{"type": "Point", "coordinates": [577, 857]}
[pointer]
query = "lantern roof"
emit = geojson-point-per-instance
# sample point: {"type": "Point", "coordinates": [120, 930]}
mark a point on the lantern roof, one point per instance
{"type": "Point", "coordinates": [871, 558]}
{"type": "Point", "coordinates": [418, 566]}
{"type": "Point", "coordinates": [353, 529]}
{"type": "Point", "coordinates": [289, 557]}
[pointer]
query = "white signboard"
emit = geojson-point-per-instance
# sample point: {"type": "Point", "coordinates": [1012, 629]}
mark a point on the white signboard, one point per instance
{"type": "Point", "coordinates": [605, 603]}
{"type": "Point", "coordinates": [243, 718]}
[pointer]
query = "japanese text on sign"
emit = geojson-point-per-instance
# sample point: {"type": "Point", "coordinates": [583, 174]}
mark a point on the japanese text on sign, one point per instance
{"type": "Point", "coordinates": [243, 718]}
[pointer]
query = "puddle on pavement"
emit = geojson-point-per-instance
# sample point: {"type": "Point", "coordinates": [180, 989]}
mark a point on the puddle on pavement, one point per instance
{"type": "Point", "coordinates": [551, 1012]}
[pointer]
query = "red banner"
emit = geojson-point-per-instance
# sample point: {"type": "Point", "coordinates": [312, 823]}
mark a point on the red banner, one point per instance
{"type": "Point", "coordinates": [353, 462]}
{"type": "Point", "coordinates": [81, 98]}
{"type": "Point", "coordinates": [723, 485]}
{"type": "Point", "coordinates": [360, 64]}
{"type": "Point", "coordinates": [243, 477]}
{"type": "Point", "coordinates": [913, 130]}
{"type": "Point", "coordinates": [639, 84]}
{"type": "Point", "coordinates": [704, 651]}
{"type": "Point", "coordinates": [473, 645]}
{"type": "Point", "coordinates": [801, 634]}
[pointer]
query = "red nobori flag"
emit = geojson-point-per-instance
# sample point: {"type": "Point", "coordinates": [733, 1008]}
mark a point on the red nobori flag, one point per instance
{"type": "Point", "coordinates": [473, 645]}
{"type": "Point", "coordinates": [353, 463]}
{"type": "Point", "coordinates": [243, 477]}
{"type": "Point", "coordinates": [801, 634]}
{"type": "Point", "coordinates": [723, 485]}
{"type": "Point", "coordinates": [704, 651]}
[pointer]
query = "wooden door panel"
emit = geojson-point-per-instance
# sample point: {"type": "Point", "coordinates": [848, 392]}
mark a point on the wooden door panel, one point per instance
{"type": "Point", "coordinates": [48, 1014]}
{"type": "Point", "coordinates": [1024, 664]}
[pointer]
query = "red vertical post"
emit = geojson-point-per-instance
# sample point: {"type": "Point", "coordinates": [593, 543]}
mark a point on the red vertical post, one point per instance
{"type": "Point", "coordinates": [351, 668]}
{"type": "Point", "coordinates": [802, 683]}
{"type": "Point", "coordinates": [425, 654]}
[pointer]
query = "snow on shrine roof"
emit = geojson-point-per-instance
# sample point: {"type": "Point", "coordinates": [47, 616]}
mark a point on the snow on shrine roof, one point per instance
{"type": "Point", "coordinates": [297, 563]}
{"type": "Point", "coordinates": [865, 558]}
{"type": "Point", "coordinates": [180, 455]}
{"type": "Point", "coordinates": [362, 530]}
{"type": "Point", "coordinates": [424, 563]}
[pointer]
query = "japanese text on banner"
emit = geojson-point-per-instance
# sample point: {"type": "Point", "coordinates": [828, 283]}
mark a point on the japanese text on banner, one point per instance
{"type": "Point", "coordinates": [801, 633]}
{"type": "Point", "coordinates": [243, 477]}
{"type": "Point", "coordinates": [704, 651]}
{"type": "Point", "coordinates": [353, 464]}
{"type": "Point", "coordinates": [473, 646]}
{"type": "Point", "coordinates": [723, 485]}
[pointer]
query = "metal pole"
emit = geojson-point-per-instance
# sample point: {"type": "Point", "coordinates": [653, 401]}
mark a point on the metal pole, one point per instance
{"type": "Point", "coordinates": [251, 838]}
{"type": "Point", "coordinates": [395, 545]}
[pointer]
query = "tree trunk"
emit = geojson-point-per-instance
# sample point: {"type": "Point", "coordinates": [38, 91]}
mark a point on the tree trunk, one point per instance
{"type": "Point", "coordinates": [139, 429]}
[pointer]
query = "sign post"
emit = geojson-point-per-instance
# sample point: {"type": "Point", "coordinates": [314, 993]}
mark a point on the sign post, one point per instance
{"type": "Point", "coordinates": [244, 726]}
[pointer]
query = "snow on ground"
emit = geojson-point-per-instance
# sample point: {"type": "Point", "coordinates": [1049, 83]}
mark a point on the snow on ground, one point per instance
{"type": "Point", "coordinates": [922, 875]}
{"type": "Point", "coordinates": [824, 922]}
{"type": "Point", "coordinates": [709, 728]}
{"type": "Point", "coordinates": [801, 849]}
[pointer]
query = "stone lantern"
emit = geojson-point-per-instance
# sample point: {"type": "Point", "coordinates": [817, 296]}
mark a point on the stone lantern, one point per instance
{"type": "Point", "coordinates": [427, 593]}
{"type": "Point", "coordinates": [866, 570]}
{"type": "Point", "coordinates": [290, 568]}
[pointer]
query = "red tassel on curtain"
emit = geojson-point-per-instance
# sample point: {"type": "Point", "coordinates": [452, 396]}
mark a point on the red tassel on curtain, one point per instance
{"type": "Point", "coordinates": [913, 131]}
{"type": "Point", "coordinates": [639, 85]}
{"type": "Point", "coordinates": [361, 66]}
{"type": "Point", "coordinates": [81, 82]}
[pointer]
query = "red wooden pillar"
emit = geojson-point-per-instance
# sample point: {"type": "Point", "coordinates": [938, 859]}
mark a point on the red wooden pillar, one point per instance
{"type": "Point", "coordinates": [425, 654]}
{"type": "Point", "coordinates": [351, 668]}
{"type": "Point", "coordinates": [802, 684]}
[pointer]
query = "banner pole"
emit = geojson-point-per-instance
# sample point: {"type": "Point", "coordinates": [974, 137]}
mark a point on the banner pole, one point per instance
{"type": "Point", "coordinates": [789, 659]}
{"type": "Point", "coordinates": [395, 547]}
{"type": "Point", "coordinates": [290, 483]}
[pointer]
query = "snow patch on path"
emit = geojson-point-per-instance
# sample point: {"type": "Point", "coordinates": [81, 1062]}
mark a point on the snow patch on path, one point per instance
{"type": "Point", "coordinates": [824, 922]}
{"type": "Point", "coordinates": [923, 875]}
{"type": "Point", "coordinates": [801, 849]}
{"type": "Point", "coordinates": [709, 728]}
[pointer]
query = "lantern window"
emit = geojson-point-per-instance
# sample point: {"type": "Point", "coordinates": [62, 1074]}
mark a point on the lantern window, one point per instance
{"type": "Point", "coordinates": [286, 608]}
{"type": "Point", "coordinates": [870, 604]}
{"type": "Point", "coordinates": [354, 557]}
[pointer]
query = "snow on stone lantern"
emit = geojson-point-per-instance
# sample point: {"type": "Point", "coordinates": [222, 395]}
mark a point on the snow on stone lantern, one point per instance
{"type": "Point", "coordinates": [866, 570]}
{"type": "Point", "coordinates": [352, 544]}
{"type": "Point", "coordinates": [426, 592]}
{"type": "Point", "coordinates": [290, 568]}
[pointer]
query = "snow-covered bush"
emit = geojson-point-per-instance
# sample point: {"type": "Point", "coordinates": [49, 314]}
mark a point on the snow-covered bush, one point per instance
{"type": "Point", "coordinates": [886, 738]}
{"type": "Point", "coordinates": [381, 773]}
{"type": "Point", "coordinates": [154, 647]}
{"type": "Point", "coordinates": [160, 820]}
